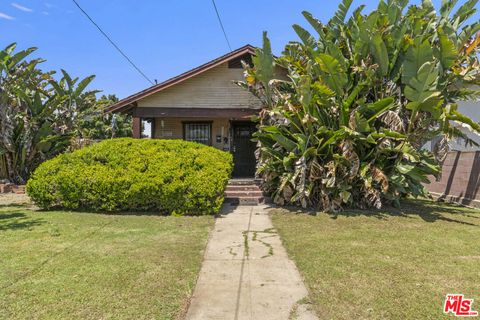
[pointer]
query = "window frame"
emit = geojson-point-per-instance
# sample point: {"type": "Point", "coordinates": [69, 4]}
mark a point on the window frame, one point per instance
{"type": "Point", "coordinates": [185, 123]}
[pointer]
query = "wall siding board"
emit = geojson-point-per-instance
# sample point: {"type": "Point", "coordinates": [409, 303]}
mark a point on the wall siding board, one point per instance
{"type": "Point", "coordinates": [213, 88]}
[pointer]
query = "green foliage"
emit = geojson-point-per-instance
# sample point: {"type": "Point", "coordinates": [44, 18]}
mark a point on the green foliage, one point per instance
{"type": "Point", "coordinates": [41, 117]}
{"type": "Point", "coordinates": [30, 128]}
{"type": "Point", "coordinates": [344, 127]}
{"type": "Point", "coordinates": [95, 124]}
{"type": "Point", "coordinates": [169, 176]}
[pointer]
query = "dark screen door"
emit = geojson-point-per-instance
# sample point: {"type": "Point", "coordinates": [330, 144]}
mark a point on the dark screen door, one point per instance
{"type": "Point", "coordinates": [243, 149]}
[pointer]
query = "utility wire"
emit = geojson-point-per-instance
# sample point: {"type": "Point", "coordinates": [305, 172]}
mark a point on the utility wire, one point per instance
{"type": "Point", "coordinates": [113, 43]}
{"type": "Point", "coordinates": [221, 25]}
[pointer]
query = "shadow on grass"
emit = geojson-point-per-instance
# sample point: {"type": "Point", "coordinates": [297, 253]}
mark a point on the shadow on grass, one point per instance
{"type": "Point", "coordinates": [139, 213]}
{"type": "Point", "coordinates": [82, 210]}
{"type": "Point", "coordinates": [17, 220]}
{"type": "Point", "coordinates": [427, 210]}
{"type": "Point", "coordinates": [15, 205]}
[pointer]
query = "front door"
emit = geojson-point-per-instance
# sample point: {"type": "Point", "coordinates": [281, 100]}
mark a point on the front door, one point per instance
{"type": "Point", "coordinates": [243, 149]}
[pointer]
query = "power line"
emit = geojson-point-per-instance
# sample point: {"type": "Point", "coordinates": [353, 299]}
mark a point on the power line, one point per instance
{"type": "Point", "coordinates": [221, 25]}
{"type": "Point", "coordinates": [113, 43]}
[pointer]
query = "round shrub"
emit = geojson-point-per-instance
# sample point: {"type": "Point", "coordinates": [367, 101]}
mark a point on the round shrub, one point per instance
{"type": "Point", "coordinates": [169, 176]}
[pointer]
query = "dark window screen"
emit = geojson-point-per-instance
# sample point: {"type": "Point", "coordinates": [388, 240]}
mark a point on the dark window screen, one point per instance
{"type": "Point", "coordinates": [198, 132]}
{"type": "Point", "coordinates": [237, 63]}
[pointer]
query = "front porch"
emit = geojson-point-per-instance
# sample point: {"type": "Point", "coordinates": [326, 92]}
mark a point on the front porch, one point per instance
{"type": "Point", "coordinates": [204, 105]}
{"type": "Point", "coordinates": [227, 130]}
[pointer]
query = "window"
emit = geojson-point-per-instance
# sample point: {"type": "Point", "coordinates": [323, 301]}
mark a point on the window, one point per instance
{"type": "Point", "coordinates": [148, 128]}
{"type": "Point", "coordinates": [200, 132]}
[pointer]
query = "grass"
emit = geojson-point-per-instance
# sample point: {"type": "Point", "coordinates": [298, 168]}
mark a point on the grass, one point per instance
{"type": "Point", "coordinates": [62, 265]}
{"type": "Point", "coordinates": [390, 264]}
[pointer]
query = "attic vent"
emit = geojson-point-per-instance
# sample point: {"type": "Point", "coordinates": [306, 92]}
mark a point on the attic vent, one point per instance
{"type": "Point", "coordinates": [237, 64]}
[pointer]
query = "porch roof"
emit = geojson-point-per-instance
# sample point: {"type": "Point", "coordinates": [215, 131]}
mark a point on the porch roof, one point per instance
{"type": "Point", "coordinates": [230, 113]}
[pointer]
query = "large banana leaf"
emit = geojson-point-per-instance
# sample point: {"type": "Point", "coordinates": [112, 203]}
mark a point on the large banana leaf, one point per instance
{"type": "Point", "coordinates": [335, 76]}
{"type": "Point", "coordinates": [423, 85]}
{"type": "Point", "coordinates": [359, 101]}
{"type": "Point", "coordinates": [379, 50]}
{"type": "Point", "coordinates": [447, 52]}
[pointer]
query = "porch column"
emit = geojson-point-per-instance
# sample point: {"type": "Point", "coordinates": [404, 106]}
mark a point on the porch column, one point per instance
{"type": "Point", "coordinates": [137, 127]}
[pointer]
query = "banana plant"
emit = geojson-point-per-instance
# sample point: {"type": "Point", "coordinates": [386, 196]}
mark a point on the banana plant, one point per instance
{"type": "Point", "coordinates": [347, 110]}
{"type": "Point", "coordinates": [38, 115]}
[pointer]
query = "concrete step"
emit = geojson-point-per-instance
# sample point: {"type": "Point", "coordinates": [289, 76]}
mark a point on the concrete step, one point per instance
{"type": "Point", "coordinates": [243, 188]}
{"type": "Point", "coordinates": [246, 201]}
{"type": "Point", "coordinates": [256, 193]}
{"type": "Point", "coordinates": [242, 182]}
{"type": "Point", "coordinates": [244, 192]}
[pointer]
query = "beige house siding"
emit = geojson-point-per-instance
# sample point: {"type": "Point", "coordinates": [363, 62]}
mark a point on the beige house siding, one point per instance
{"type": "Point", "coordinates": [213, 88]}
{"type": "Point", "coordinates": [173, 129]}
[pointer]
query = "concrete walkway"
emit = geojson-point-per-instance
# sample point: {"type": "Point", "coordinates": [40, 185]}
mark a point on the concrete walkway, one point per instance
{"type": "Point", "coordinates": [246, 273]}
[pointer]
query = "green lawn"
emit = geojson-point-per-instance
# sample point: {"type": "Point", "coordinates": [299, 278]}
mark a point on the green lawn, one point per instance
{"type": "Point", "coordinates": [390, 264]}
{"type": "Point", "coordinates": [61, 265]}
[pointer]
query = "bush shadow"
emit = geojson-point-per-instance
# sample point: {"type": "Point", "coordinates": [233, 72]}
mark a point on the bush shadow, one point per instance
{"type": "Point", "coordinates": [18, 220]}
{"type": "Point", "coordinates": [138, 213]}
{"type": "Point", "coordinates": [226, 209]}
{"type": "Point", "coordinates": [15, 205]}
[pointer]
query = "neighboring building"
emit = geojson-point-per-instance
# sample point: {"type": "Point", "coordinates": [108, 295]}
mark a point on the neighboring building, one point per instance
{"type": "Point", "coordinates": [202, 105]}
{"type": "Point", "coordinates": [472, 110]}
{"type": "Point", "coordinates": [460, 180]}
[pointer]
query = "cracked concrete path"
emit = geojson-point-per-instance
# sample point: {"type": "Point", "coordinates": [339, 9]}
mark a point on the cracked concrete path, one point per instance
{"type": "Point", "coordinates": [246, 273]}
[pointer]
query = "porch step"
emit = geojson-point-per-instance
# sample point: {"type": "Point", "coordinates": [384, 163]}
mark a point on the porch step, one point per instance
{"type": "Point", "coordinates": [246, 201]}
{"type": "Point", "coordinates": [256, 193]}
{"type": "Point", "coordinates": [244, 192]}
{"type": "Point", "coordinates": [235, 188]}
{"type": "Point", "coordinates": [243, 182]}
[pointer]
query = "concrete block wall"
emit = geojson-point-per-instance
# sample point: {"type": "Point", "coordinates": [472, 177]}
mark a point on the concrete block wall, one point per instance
{"type": "Point", "coordinates": [460, 180]}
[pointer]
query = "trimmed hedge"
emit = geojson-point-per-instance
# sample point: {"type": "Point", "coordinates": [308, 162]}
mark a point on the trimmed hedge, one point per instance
{"type": "Point", "coordinates": [169, 176]}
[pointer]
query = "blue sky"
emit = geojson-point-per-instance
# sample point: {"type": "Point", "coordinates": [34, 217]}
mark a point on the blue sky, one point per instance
{"type": "Point", "coordinates": [163, 37]}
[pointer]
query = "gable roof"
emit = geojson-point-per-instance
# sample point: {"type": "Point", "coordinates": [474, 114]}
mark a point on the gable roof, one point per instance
{"type": "Point", "coordinates": [129, 101]}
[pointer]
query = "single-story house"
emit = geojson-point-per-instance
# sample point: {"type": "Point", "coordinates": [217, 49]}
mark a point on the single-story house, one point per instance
{"type": "Point", "coordinates": [202, 105]}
